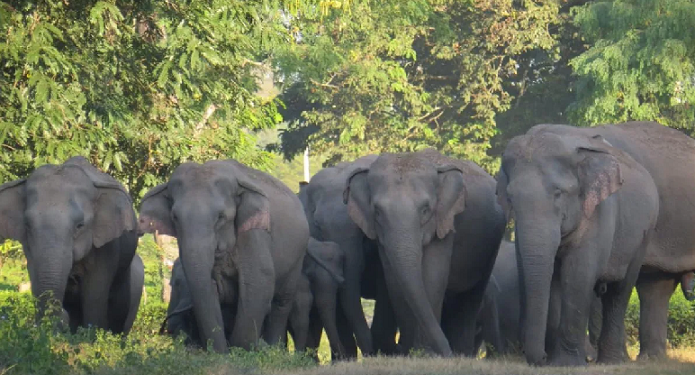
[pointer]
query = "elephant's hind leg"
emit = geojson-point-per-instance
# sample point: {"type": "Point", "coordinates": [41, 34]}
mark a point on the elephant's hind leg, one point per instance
{"type": "Point", "coordinates": [654, 291]}
{"type": "Point", "coordinates": [281, 307]}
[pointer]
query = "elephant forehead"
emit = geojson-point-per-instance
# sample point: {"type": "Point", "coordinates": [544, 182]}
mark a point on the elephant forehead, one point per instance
{"type": "Point", "coordinates": [402, 163]}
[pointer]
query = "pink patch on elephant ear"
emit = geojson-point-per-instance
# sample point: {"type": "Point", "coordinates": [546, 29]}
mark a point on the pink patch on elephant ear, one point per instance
{"type": "Point", "coordinates": [259, 220]}
{"type": "Point", "coordinates": [605, 183]}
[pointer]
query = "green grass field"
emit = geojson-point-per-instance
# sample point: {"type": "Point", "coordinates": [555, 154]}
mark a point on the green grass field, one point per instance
{"type": "Point", "coordinates": [27, 348]}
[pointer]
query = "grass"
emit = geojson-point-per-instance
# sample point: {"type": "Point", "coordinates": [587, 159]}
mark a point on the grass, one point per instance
{"type": "Point", "coordinates": [27, 348]}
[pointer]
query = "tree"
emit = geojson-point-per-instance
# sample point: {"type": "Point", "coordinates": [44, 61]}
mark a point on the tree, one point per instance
{"type": "Point", "coordinates": [399, 76]}
{"type": "Point", "coordinates": [640, 64]}
{"type": "Point", "coordinates": [137, 87]}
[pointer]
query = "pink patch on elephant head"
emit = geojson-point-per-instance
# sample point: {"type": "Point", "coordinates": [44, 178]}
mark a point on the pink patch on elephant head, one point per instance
{"type": "Point", "coordinates": [260, 220]}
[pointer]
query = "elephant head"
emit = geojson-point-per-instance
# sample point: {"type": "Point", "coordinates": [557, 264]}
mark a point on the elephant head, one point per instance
{"type": "Point", "coordinates": [553, 184]}
{"type": "Point", "coordinates": [218, 210]}
{"type": "Point", "coordinates": [59, 214]}
{"type": "Point", "coordinates": [406, 202]}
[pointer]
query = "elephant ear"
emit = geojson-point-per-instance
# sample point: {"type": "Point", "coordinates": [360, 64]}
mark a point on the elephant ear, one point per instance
{"type": "Point", "coordinates": [114, 214]}
{"type": "Point", "coordinates": [253, 210]}
{"type": "Point", "coordinates": [451, 198]}
{"type": "Point", "coordinates": [599, 176]}
{"type": "Point", "coordinates": [155, 212]}
{"type": "Point", "coordinates": [356, 196]}
{"type": "Point", "coordinates": [12, 207]}
{"type": "Point", "coordinates": [501, 192]}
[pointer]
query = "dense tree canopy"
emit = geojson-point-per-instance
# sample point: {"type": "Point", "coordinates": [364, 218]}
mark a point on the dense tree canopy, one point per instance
{"type": "Point", "coordinates": [141, 86]}
{"type": "Point", "coordinates": [135, 86]}
{"type": "Point", "coordinates": [640, 64]}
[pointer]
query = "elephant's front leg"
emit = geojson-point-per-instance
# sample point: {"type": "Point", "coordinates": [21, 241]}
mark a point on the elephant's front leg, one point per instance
{"type": "Point", "coordinates": [96, 286]}
{"type": "Point", "coordinates": [285, 296]}
{"type": "Point", "coordinates": [350, 299]}
{"type": "Point", "coordinates": [461, 319]}
{"type": "Point", "coordinates": [436, 263]}
{"type": "Point", "coordinates": [299, 320]}
{"type": "Point", "coordinates": [384, 327]}
{"type": "Point", "coordinates": [578, 277]}
{"type": "Point", "coordinates": [256, 286]}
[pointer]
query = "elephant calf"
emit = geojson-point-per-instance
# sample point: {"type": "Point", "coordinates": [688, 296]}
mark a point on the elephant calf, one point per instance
{"type": "Point", "coordinates": [315, 304]}
{"type": "Point", "coordinates": [77, 228]}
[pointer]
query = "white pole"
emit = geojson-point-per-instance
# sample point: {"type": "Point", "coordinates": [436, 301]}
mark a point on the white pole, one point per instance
{"type": "Point", "coordinates": [306, 164]}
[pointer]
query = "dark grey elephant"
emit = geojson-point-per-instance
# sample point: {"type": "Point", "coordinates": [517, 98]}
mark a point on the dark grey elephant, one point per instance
{"type": "Point", "coordinates": [585, 213]}
{"type": "Point", "coordinates": [329, 221]}
{"type": "Point", "coordinates": [180, 317]}
{"type": "Point", "coordinates": [317, 297]}
{"type": "Point", "coordinates": [438, 229]}
{"type": "Point", "coordinates": [77, 228]}
{"type": "Point", "coordinates": [244, 230]}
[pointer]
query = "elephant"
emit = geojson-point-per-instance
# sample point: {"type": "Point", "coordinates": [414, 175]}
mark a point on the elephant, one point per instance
{"type": "Point", "coordinates": [77, 228]}
{"type": "Point", "coordinates": [329, 221]}
{"type": "Point", "coordinates": [317, 295]}
{"type": "Point", "coordinates": [438, 228]}
{"type": "Point", "coordinates": [242, 235]}
{"type": "Point", "coordinates": [585, 214]}
{"type": "Point", "coordinates": [499, 319]}
{"type": "Point", "coordinates": [180, 317]}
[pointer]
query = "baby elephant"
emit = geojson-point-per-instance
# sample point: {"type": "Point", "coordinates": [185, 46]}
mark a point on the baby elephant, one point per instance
{"type": "Point", "coordinates": [180, 317]}
{"type": "Point", "coordinates": [315, 304]}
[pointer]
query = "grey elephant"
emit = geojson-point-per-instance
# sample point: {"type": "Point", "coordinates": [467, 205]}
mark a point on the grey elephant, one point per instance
{"type": "Point", "coordinates": [241, 228]}
{"type": "Point", "coordinates": [585, 213]}
{"type": "Point", "coordinates": [77, 229]}
{"type": "Point", "coordinates": [329, 221]}
{"type": "Point", "coordinates": [317, 297]}
{"type": "Point", "coordinates": [181, 318]}
{"type": "Point", "coordinates": [438, 229]}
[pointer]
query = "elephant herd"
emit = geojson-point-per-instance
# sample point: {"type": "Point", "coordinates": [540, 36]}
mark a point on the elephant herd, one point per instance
{"type": "Point", "coordinates": [596, 212]}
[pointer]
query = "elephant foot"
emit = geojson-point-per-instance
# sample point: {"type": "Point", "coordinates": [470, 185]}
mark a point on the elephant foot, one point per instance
{"type": "Point", "coordinates": [567, 360]}
{"type": "Point", "coordinates": [611, 359]}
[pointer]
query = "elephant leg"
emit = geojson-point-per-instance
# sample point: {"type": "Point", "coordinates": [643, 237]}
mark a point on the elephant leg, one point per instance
{"type": "Point", "coordinates": [384, 325]}
{"type": "Point", "coordinates": [328, 320]}
{"type": "Point", "coordinates": [595, 322]}
{"type": "Point", "coordinates": [554, 308]}
{"type": "Point", "coordinates": [299, 320]}
{"type": "Point", "coordinates": [313, 340]}
{"type": "Point", "coordinates": [654, 292]}
{"type": "Point", "coordinates": [125, 299]}
{"type": "Point", "coordinates": [436, 260]}
{"type": "Point", "coordinates": [352, 305]}
{"type": "Point", "coordinates": [491, 331]}
{"type": "Point", "coordinates": [346, 337]}
{"type": "Point", "coordinates": [96, 286]}
{"type": "Point", "coordinates": [281, 306]}
{"type": "Point", "coordinates": [577, 282]}
{"type": "Point", "coordinates": [461, 320]}
{"type": "Point", "coordinates": [611, 344]}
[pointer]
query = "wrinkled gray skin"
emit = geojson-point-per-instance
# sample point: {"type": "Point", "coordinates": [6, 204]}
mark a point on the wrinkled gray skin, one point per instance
{"type": "Point", "coordinates": [329, 221]}
{"type": "Point", "coordinates": [77, 229]}
{"type": "Point", "coordinates": [438, 230]}
{"type": "Point", "coordinates": [244, 230]}
{"type": "Point", "coordinates": [180, 316]}
{"type": "Point", "coordinates": [322, 276]}
{"type": "Point", "coordinates": [585, 214]}
{"type": "Point", "coordinates": [499, 320]}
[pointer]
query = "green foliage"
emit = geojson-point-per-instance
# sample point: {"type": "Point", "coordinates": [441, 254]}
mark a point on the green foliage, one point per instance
{"type": "Point", "coordinates": [27, 348]}
{"type": "Point", "coordinates": [640, 62]}
{"type": "Point", "coordinates": [136, 87]}
{"type": "Point", "coordinates": [400, 76]}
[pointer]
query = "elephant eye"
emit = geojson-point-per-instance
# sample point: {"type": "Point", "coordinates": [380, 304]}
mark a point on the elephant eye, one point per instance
{"type": "Point", "coordinates": [425, 210]}
{"type": "Point", "coordinates": [557, 193]}
{"type": "Point", "coordinates": [79, 225]}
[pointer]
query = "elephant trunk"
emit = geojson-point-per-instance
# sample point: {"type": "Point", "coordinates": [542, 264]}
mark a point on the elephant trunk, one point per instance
{"type": "Point", "coordinates": [538, 245]}
{"type": "Point", "coordinates": [197, 259]}
{"type": "Point", "coordinates": [50, 269]}
{"type": "Point", "coordinates": [403, 269]}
